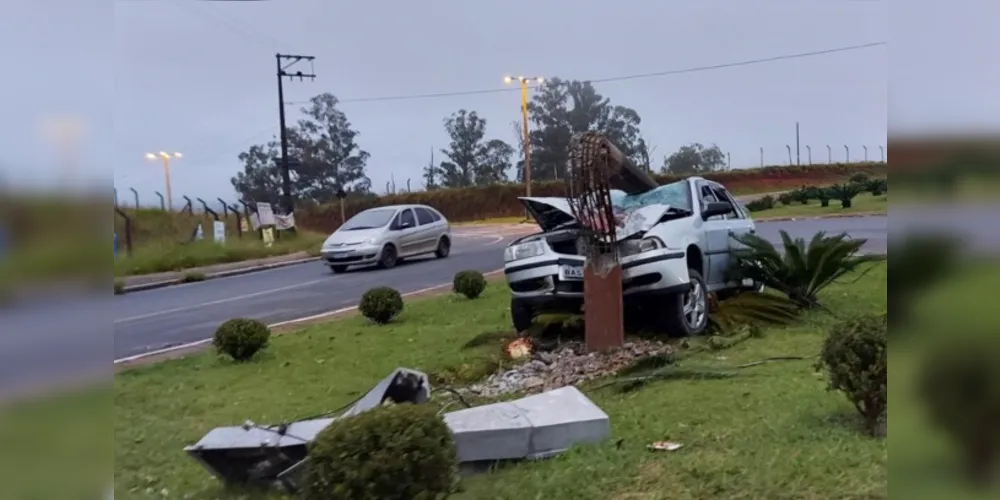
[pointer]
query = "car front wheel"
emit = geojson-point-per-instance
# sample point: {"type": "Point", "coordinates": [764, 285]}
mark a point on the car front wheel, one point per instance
{"type": "Point", "coordinates": [521, 315]}
{"type": "Point", "coordinates": [688, 312]}
{"type": "Point", "coordinates": [389, 257]}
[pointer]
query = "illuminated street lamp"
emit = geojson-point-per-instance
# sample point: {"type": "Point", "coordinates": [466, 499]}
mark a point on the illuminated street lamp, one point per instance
{"type": "Point", "coordinates": [165, 158]}
{"type": "Point", "coordinates": [524, 81]}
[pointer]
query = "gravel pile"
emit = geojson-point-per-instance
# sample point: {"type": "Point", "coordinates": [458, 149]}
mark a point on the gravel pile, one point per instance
{"type": "Point", "coordinates": [566, 365]}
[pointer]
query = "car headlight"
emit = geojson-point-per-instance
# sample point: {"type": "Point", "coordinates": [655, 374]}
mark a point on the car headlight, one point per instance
{"type": "Point", "coordinates": [650, 244]}
{"type": "Point", "coordinates": [371, 241]}
{"type": "Point", "coordinates": [634, 247]}
{"type": "Point", "coordinates": [523, 251]}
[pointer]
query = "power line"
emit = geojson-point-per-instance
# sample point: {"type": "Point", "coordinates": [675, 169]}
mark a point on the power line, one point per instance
{"type": "Point", "coordinates": [695, 69]}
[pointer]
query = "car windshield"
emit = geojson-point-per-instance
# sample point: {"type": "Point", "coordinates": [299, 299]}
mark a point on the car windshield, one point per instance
{"type": "Point", "coordinates": [676, 194]}
{"type": "Point", "coordinates": [369, 219]}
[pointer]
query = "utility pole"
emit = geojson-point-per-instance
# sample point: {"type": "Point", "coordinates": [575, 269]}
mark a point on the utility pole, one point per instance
{"type": "Point", "coordinates": [523, 81]}
{"type": "Point", "coordinates": [798, 156]}
{"type": "Point", "coordinates": [284, 62]}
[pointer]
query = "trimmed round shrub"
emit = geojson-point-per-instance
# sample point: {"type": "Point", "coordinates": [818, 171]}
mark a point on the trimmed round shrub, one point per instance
{"type": "Point", "coordinates": [381, 304]}
{"type": "Point", "coordinates": [855, 358]}
{"type": "Point", "coordinates": [469, 283]}
{"type": "Point", "coordinates": [960, 387]}
{"type": "Point", "coordinates": [241, 338]}
{"type": "Point", "coordinates": [393, 452]}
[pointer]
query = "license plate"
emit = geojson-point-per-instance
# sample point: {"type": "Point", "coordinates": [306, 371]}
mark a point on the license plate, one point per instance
{"type": "Point", "coordinates": [571, 272]}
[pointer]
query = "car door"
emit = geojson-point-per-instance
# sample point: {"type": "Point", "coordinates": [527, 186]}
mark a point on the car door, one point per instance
{"type": "Point", "coordinates": [429, 230]}
{"type": "Point", "coordinates": [739, 222]}
{"type": "Point", "coordinates": [716, 239]}
{"type": "Point", "coordinates": [407, 233]}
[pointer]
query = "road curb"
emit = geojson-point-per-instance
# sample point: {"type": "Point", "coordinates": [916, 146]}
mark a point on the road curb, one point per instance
{"type": "Point", "coordinates": [221, 274]}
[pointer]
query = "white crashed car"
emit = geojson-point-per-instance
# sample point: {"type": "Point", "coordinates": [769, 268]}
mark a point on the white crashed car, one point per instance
{"type": "Point", "coordinates": [675, 243]}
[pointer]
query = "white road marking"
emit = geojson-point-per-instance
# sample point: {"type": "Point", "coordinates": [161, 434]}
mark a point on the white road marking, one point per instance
{"type": "Point", "coordinates": [342, 310]}
{"type": "Point", "coordinates": [219, 301]}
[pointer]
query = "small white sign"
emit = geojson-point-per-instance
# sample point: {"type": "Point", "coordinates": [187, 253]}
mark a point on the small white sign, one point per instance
{"type": "Point", "coordinates": [265, 215]}
{"type": "Point", "coordinates": [199, 234]}
{"type": "Point", "coordinates": [219, 231]}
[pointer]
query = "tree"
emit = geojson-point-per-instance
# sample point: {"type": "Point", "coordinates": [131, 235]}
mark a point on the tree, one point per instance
{"type": "Point", "coordinates": [561, 109]}
{"type": "Point", "coordinates": [327, 159]}
{"type": "Point", "coordinates": [472, 160]}
{"type": "Point", "coordinates": [694, 159]}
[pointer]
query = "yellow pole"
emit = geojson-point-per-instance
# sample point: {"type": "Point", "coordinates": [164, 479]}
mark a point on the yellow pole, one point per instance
{"type": "Point", "coordinates": [527, 139]}
{"type": "Point", "coordinates": [166, 176]}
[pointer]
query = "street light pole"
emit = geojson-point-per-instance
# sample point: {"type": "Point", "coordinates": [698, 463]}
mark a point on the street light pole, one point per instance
{"type": "Point", "coordinates": [524, 118]}
{"type": "Point", "coordinates": [165, 158]}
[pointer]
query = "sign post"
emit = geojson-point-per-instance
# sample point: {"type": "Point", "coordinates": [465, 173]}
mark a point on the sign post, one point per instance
{"type": "Point", "coordinates": [595, 164]}
{"type": "Point", "coordinates": [219, 232]}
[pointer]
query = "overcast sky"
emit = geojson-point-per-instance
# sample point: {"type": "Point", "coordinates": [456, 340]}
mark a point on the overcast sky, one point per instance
{"type": "Point", "coordinates": [198, 77]}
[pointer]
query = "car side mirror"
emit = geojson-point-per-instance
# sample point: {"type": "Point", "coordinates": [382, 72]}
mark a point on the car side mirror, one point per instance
{"type": "Point", "coordinates": [405, 225]}
{"type": "Point", "coordinates": [714, 208]}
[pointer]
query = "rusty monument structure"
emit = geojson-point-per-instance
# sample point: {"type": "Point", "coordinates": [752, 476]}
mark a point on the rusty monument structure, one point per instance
{"type": "Point", "coordinates": [596, 167]}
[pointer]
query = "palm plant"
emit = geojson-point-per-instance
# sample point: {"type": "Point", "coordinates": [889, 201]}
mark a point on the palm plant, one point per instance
{"type": "Point", "coordinates": [845, 193]}
{"type": "Point", "coordinates": [823, 195]}
{"type": "Point", "coordinates": [801, 195]}
{"type": "Point", "coordinates": [877, 186]}
{"type": "Point", "coordinates": [799, 270]}
{"type": "Point", "coordinates": [785, 198]}
{"type": "Point", "coordinates": [752, 308]}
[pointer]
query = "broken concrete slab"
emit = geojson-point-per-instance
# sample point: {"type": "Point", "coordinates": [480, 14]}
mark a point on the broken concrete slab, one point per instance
{"type": "Point", "coordinates": [529, 428]}
{"type": "Point", "coordinates": [532, 427]}
{"type": "Point", "coordinates": [253, 453]}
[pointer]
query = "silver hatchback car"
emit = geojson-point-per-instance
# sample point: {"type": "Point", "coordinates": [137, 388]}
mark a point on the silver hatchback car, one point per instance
{"type": "Point", "coordinates": [384, 235]}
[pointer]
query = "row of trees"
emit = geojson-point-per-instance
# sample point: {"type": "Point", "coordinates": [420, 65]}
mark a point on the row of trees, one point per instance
{"type": "Point", "coordinates": [329, 158]}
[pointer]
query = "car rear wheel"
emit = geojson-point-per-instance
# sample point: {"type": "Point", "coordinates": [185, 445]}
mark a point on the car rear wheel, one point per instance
{"type": "Point", "coordinates": [443, 248]}
{"type": "Point", "coordinates": [389, 257]}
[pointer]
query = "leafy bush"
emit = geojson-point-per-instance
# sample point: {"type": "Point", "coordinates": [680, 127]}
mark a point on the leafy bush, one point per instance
{"type": "Point", "coordinates": [119, 287]}
{"type": "Point", "coordinates": [960, 386]}
{"type": "Point", "coordinates": [860, 178]}
{"type": "Point", "coordinates": [241, 338]}
{"type": "Point", "coordinates": [801, 271]}
{"type": "Point", "coordinates": [919, 260]}
{"type": "Point", "coordinates": [786, 198]}
{"type": "Point", "coordinates": [469, 283]}
{"type": "Point", "coordinates": [854, 356]}
{"type": "Point", "coordinates": [763, 203]}
{"type": "Point", "coordinates": [845, 193]}
{"type": "Point", "coordinates": [381, 304]}
{"type": "Point", "coordinates": [399, 452]}
{"type": "Point", "coordinates": [193, 277]}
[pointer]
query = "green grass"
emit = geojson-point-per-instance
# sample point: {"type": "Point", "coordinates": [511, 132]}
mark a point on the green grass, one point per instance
{"type": "Point", "coordinates": [926, 463]}
{"type": "Point", "coordinates": [863, 203]}
{"type": "Point", "coordinates": [173, 256]}
{"type": "Point", "coordinates": [772, 432]}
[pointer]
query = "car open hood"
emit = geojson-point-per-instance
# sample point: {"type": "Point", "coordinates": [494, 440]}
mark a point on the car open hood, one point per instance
{"type": "Point", "coordinates": [551, 212]}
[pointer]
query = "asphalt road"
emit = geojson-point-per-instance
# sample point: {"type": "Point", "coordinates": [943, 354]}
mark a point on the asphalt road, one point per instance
{"type": "Point", "coordinates": [45, 342]}
{"type": "Point", "coordinates": [157, 319]}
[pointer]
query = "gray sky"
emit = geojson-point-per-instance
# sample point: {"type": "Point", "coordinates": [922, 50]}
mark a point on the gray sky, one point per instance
{"type": "Point", "coordinates": [198, 77]}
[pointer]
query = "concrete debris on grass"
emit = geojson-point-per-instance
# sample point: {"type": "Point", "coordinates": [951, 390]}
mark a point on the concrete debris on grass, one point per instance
{"type": "Point", "coordinates": [567, 365]}
{"type": "Point", "coordinates": [533, 427]}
